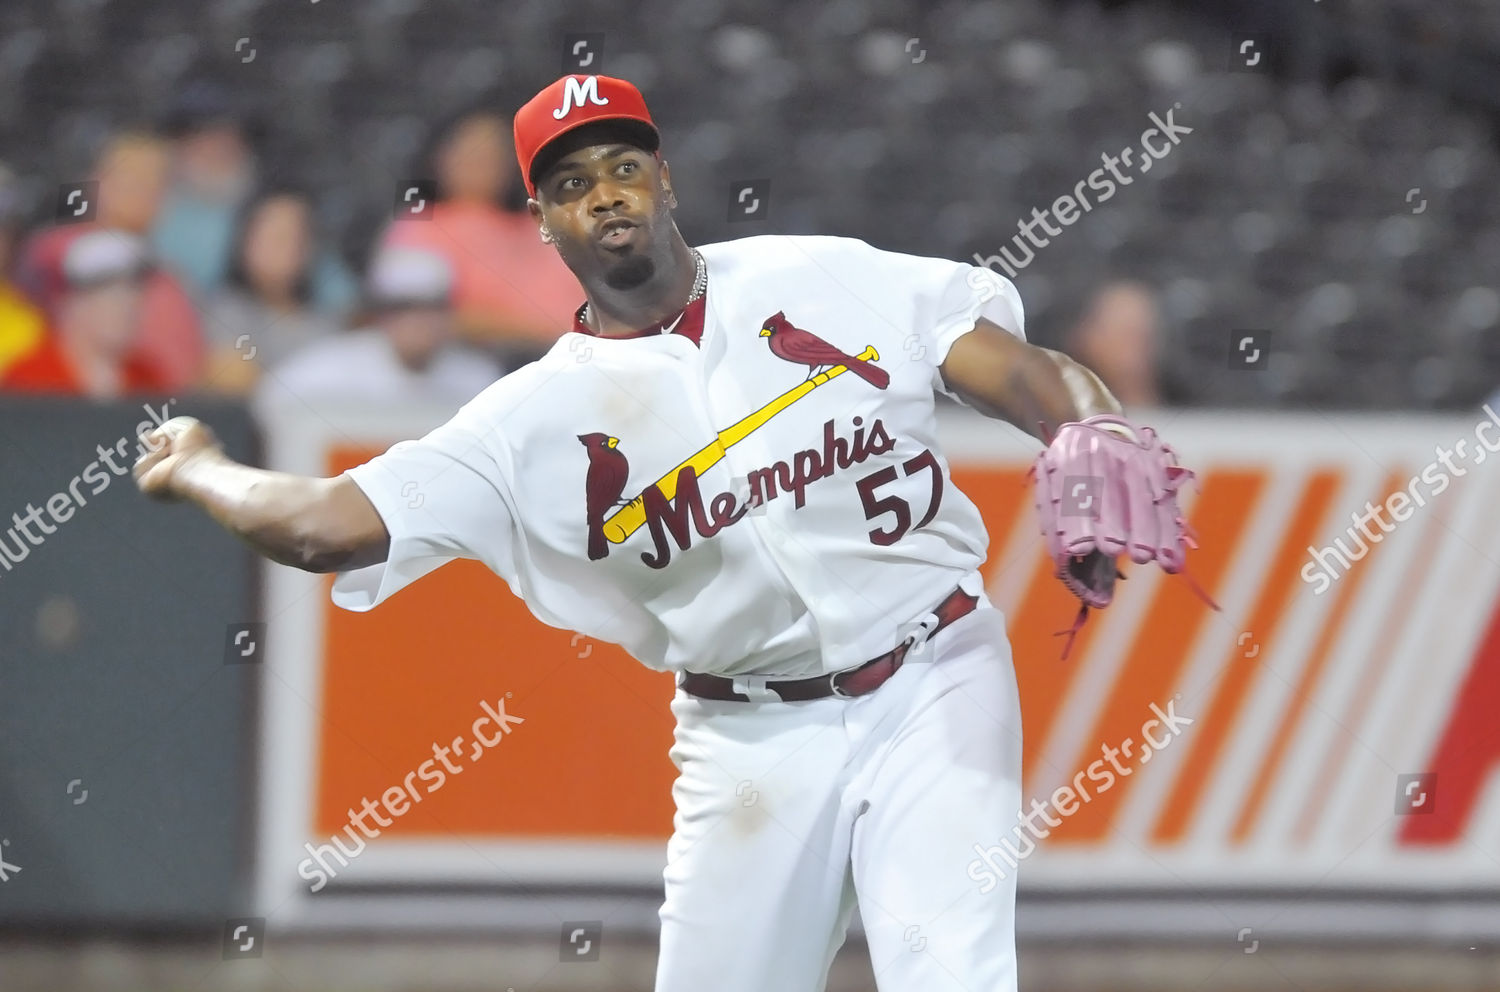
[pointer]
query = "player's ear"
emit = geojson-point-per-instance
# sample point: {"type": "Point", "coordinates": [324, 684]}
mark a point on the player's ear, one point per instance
{"type": "Point", "coordinates": [535, 209]}
{"type": "Point", "coordinates": [666, 185]}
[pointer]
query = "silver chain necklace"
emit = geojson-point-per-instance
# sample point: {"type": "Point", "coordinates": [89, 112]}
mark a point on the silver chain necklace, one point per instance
{"type": "Point", "coordinates": [700, 283]}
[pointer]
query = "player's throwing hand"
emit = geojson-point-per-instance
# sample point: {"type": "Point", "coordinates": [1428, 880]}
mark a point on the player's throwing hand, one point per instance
{"type": "Point", "coordinates": [168, 448]}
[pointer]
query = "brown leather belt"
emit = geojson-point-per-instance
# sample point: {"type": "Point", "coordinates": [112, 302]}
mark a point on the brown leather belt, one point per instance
{"type": "Point", "coordinates": [851, 682]}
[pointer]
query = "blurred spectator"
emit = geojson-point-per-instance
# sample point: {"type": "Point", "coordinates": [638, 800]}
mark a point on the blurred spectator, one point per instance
{"type": "Point", "coordinates": [1119, 338]}
{"type": "Point", "coordinates": [89, 351]}
{"type": "Point", "coordinates": [265, 312]}
{"type": "Point", "coordinates": [213, 173]}
{"type": "Point", "coordinates": [408, 356]}
{"type": "Point", "coordinates": [21, 323]}
{"type": "Point", "coordinates": [510, 288]}
{"type": "Point", "coordinates": [131, 172]}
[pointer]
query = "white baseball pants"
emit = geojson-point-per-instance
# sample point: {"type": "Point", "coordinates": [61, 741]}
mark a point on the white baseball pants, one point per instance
{"type": "Point", "coordinates": [789, 813]}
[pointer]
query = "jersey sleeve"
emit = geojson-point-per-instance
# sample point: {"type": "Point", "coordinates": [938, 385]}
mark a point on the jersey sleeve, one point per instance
{"type": "Point", "coordinates": [949, 297]}
{"type": "Point", "coordinates": [442, 497]}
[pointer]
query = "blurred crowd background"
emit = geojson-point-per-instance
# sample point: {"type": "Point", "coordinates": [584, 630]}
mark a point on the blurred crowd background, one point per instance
{"type": "Point", "coordinates": [199, 192]}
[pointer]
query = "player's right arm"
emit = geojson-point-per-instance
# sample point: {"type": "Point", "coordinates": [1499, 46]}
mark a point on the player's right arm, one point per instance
{"type": "Point", "coordinates": [319, 525]}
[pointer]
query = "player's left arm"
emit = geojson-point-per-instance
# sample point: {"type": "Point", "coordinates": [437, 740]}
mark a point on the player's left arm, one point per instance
{"type": "Point", "coordinates": [1034, 388]}
{"type": "Point", "coordinates": [1055, 398]}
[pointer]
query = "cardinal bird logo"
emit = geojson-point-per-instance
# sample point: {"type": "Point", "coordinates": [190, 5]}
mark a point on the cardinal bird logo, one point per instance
{"type": "Point", "coordinates": [608, 472]}
{"type": "Point", "coordinates": [801, 347]}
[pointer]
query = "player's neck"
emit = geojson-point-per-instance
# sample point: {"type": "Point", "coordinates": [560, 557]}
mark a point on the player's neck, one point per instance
{"type": "Point", "coordinates": [618, 313]}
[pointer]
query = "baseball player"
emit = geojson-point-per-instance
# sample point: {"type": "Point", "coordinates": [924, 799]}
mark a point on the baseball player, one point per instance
{"type": "Point", "coordinates": [730, 466]}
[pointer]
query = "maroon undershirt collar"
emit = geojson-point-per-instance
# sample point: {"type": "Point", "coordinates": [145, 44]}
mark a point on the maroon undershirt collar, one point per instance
{"type": "Point", "coordinates": [687, 322]}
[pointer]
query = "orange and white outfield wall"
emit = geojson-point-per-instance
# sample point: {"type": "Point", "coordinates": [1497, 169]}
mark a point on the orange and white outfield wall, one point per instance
{"type": "Point", "coordinates": [1311, 711]}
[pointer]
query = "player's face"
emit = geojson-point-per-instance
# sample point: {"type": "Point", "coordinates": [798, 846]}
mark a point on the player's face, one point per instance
{"type": "Point", "coordinates": [606, 207]}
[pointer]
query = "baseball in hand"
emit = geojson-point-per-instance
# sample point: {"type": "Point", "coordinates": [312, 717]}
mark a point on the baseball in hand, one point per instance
{"type": "Point", "coordinates": [167, 448]}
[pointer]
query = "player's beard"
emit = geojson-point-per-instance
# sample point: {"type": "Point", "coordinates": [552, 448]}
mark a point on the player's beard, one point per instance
{"type": "Point", "coordinates": [632, 271]}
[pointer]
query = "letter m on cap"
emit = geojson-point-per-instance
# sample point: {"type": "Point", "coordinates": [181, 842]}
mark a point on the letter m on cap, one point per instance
{"type": "Point", "coordinates": [576, 91]}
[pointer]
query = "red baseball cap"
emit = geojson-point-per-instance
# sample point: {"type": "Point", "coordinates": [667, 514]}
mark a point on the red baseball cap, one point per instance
{"type": "Point", "coordinates": [570, 103]}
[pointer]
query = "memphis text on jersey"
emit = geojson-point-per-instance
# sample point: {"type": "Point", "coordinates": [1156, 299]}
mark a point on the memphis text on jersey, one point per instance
{"type": "Point", "coordinates": [678, 516]}
{"type": "Point", "coordinates": [673, 507]}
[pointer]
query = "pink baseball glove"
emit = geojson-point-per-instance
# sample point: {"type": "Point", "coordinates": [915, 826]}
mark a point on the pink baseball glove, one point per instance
{"type": "Point", "coordinates": [1104, 488]}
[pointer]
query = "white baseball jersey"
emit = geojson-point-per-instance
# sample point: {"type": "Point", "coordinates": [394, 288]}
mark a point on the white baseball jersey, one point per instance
{"type": "Point", "coordinates": [762, 494]}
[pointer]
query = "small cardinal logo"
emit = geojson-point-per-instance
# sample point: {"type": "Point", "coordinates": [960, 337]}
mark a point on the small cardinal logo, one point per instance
{"type": "Point", "coordinates": [608, 472]}
{"type": "Point", "coordinates": [805, 348]}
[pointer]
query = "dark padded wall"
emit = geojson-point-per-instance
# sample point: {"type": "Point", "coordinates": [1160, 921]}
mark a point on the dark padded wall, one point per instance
{"type": "Point", "coordinates": [113, 684]}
